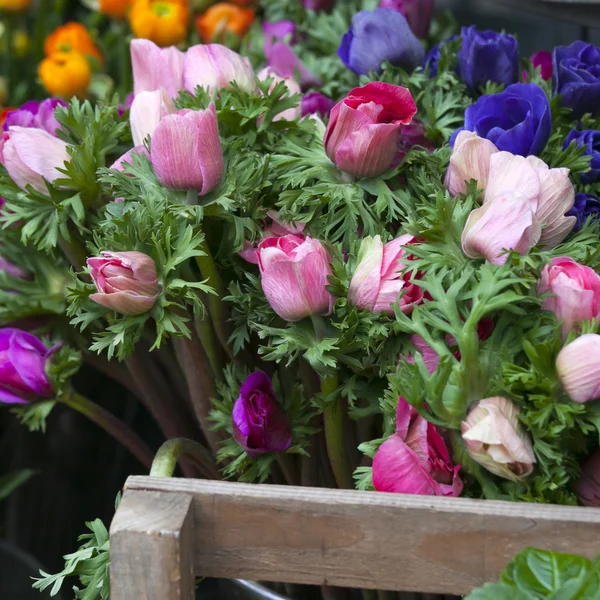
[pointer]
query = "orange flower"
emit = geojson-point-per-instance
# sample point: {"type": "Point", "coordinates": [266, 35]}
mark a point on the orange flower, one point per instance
{"type": "Point", "coordinates": [65, 74]}
{"type": "Point", "coordinates": [72, 37]}
{"type": "Point", "coordinates": [223, 17]}
{"type": "Point", "coordinates": [14, 6]}
{"type": "Point", "coordinates": [164, 22]}
{"type": "Point", "coordinates": [116, 9]}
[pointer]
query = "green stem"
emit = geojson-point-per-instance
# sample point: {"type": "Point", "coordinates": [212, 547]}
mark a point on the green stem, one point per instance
{"type": "Point", "coordinates": [74, 252]}
{"type": "Point", "coordinates": [126, 84]}
{"type": "Point", "coordinates": [210, 273]}
{"type": "Point", "coordinates": [40, 29]}
{"type": "Point", "coordinates": [110, 424]}
{"type": "Point", "coordinates": [207, 336]}
{"type": "Point", "coordinates": [333, 418]}
{"type": "Point", "coordinates": [170, 452]}
{"type": "Point", "coordinates": [288, 468]}
{"type": "Point", "coordinates": [7, 21]}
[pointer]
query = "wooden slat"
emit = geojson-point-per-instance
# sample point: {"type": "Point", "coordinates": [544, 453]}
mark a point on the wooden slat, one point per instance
{"type": "Point", "coordinates": [368, 540]}
{"type": "Point", "coordinates": [151, 547]}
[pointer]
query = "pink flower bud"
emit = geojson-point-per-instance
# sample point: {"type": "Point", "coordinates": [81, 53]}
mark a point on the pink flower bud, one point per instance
{"type": "Point", "coordinates": [126, 282]}
{"type": "Point", "coordinates": [295, 271]}
{"type": "Point", "coordinates": [415, 459]}
{"type": "Point", "coordinates": [496, 440]}
{"type": "Point", "coordinates": [283, 61]}
{"type": "Point", "coordinates": [216, 67]}
{"type": "Point", "coordinates": [32, 155]}
{"type": "Point", "coordinates": [186, 151]}
{"type": "Point", "coordinates": [430, 357]}
{"type": "Point", "coordinates": [364, 128]}
{"type": "Point", "coordinates": [378, 280]}
{"type": "Point", "coordinates": [578, 368]}
{"type": "Point", "coordinates": [147, 110]}
{"type": "Point", "coordinates": [470, 160]}
{"type": "Point", "coordinates": [291, 113]}
{"type": "Point", "coordinates": [23, 361]}
{"type": "Point", "coordinates": [587, 487]}
{"type": "Point", "coordinates": [260, 424]}
{"type": "Point", "coordinates": [417, 12]}
{"type": "Point", "coordinates": [557, 196]}
{"type": "Point", "coordinates": [543, 60]}
{"type": "Point", "coordinates": [155, 68]}
{"type": "Point", "coordinates": [506, 223]}
{"type": "Point", "coordinates": [573, 292]}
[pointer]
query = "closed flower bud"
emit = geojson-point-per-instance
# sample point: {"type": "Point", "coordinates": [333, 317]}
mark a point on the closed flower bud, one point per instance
{"type": "Point", "coordinates": [260, 424]}
{"type": "Point", "coordinates": [364, 128]}
{"type": "Point", "coordinates": [542, 60]}
{"type": "Point", "coordinates": [66, 74]}
{"type": "Point", "coordinates": [147, 110]}
{"type": "Point", "coordinates": [23, 361]}
{"type": "Point", "coordinates": [278, 31]}
{"type": "Point", "coordinates": [156, 68]}
{"type": "Point", "coordinates": [126, 282]}
{"type": "Point", "coordinates": [216, 67]}
{"type": "Point", "coordinates": [496, 440]}
{"type": "Point", "coordinates": [470, 160]}
{"type": "Point", "coordinates": [587, 487]}
{"type": "Point", "coordinates": [186, 151]}
{"type": "Point", "coordinates": [378, 281]}
{"type": "Point", "coordinates": [572, 292]}
{"type": "Point", "coordinates": [72, 37]}
{"type": "Point", "coordinates": [415, 460]}
{"type": "Point", "coordinates": [32, 155]}
{"type": "Point", "coordinates": [221, 18]}
{"type": "Point", "coordinates": [294, 273]}
{"type": "Point", "coordinates": [165, 22]}
{"type": "Point", "coordinates": [578, 368]}
{"type": "Point", "coordinates": [316, 103]}
{"type": "Point", "coordinates": [283, 60]}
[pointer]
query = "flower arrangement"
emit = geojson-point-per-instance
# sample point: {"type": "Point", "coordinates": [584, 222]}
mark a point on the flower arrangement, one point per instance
{"type": "Point", "coordinates": [330, 245]}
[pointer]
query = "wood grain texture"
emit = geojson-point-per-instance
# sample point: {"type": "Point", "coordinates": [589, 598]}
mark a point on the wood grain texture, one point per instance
{"type": "Point", "coordinates": [152, 545]}
{"type": "Point", "coordinates": [365, 539]}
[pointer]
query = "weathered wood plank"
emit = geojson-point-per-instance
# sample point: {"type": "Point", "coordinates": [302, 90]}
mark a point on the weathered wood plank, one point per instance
{"type": "Point", "coordinates": [368, 540]}
{"type": "Point", "coordinates": [152, 544]}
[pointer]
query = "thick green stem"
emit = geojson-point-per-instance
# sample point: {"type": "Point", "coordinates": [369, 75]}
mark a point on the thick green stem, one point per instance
{"type": "Point", "coordinates": [333, 418]}
{"type": "Point", "coordinates": [74, 252]}
{"type": "Point", "coordinates": [110, 424]}
{"type": "Point", "coordinates": [209, 342]}
{"type": "Point", "coordinates": [170, 452]}
{"type": "Point", "coordinates": [210, 273]}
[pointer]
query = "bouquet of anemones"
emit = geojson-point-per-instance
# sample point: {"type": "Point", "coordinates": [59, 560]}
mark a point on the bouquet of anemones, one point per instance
{"type": "Point", "coordinates": [322, 248]}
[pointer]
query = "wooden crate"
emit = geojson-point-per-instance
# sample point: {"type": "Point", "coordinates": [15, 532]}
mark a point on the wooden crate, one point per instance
{"type": "Point", "coordinates": [167, 531]}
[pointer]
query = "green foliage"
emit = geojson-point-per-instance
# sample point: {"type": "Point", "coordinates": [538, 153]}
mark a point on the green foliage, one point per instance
{"type": "Point", "coordinates": [90, 564]}
{"type": "Point", "coordinates": [14, 480]}
{"type": "Point", "coordinates": [536, 574]}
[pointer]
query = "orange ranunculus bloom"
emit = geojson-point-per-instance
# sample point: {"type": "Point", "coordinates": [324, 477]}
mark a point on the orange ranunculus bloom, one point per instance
{"type": "Point", "coordinates": [72, 37]}
{"type": "Point", "coordinates": [223, 17]}
{"type": "Point", "coordinates": [66, 74]}
{"type": "Point", "coordinates": [14, 6]}
{"type": "Point", "coordinates": [164, 22]}
{"type": "Point", "coordinates": [116, 9]}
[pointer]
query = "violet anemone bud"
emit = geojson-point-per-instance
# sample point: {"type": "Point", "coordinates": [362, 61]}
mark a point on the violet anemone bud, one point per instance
{"type": "Point", "coordinates": [260, 424]}
{"type": "Point", "coordinates": [283, 60]}
{"type": "Point", "coordinates": [23, 362]}
{"type": "Point", "coordinates": [316, 103]}
{"type": "Point", "coordinates": [495, 439]}
{"type": "Point", "coordinates": [147, 111]}
{"type": "Point", "coordinates": [186, 151]}
{"type": "Point", "coordinates": [293, 89]}
{"type": "Point", "coordinates": [276, 31]}
{"type": "Point", "coordinates": [216, 67]}
{"type": "Point", "coordinates": [156, 68]}
{"type": "Point", "coordinates": [294, 274]}
{"type": "Point", "coordinates": [415, 460]}
{"type": "Point", "coordinates": [35, 114]}
{"type": "Point", "coordinates": [364, 130]}
{"type": "Point", "coordinates": [32, 155]}
{"type": "Point", "coordinates": [470, 160]}
{"type": "Point", "coordinates": [578, 368]}
{"type": "Point", "coordinates": [126, 282]}
{"type": "Point", "coordinates": [573, 292]}
{"type": "Point", "coordinates": [587, 486]}
{"type": "Point", "coordinates": [378, 281]}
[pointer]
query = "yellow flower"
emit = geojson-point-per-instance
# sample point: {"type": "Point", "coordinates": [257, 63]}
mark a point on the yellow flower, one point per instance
{"type": "Point", "coordinates": [71, 37]}
{"type": "Point", "coordinates": [21, 43]}
{"type": "Point", "coordinates": [65, 74]}
{"type": "Point", "coordinates": [164, 22]}
{"type": "Point", "coordinates": [14, 5]}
